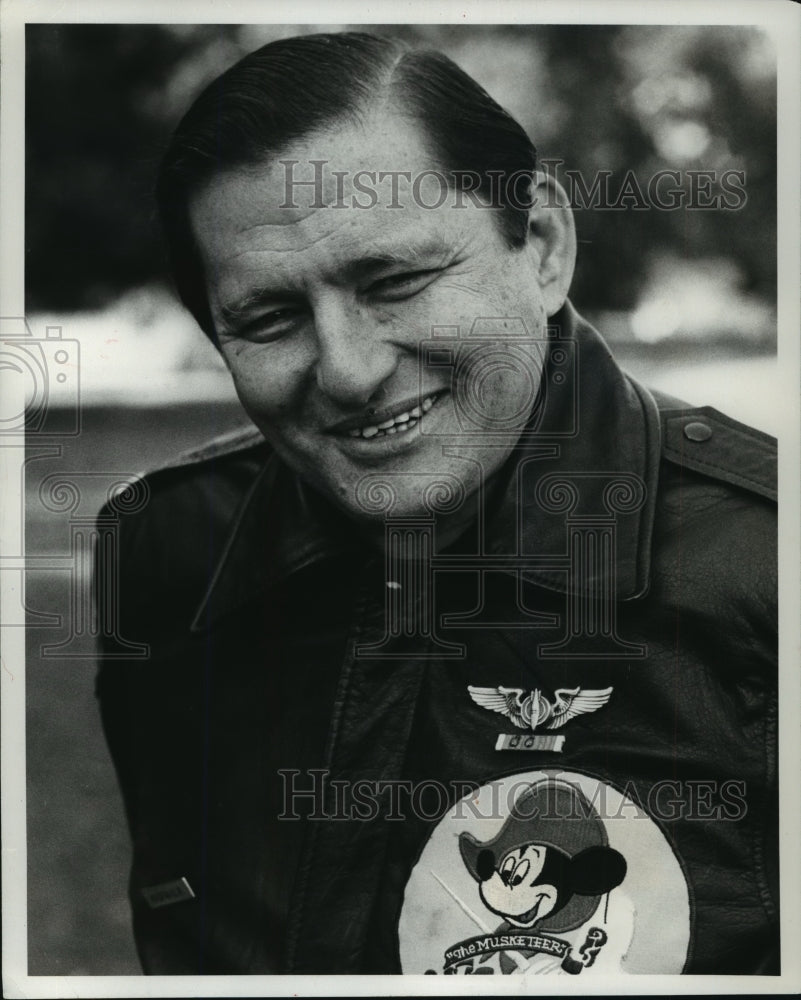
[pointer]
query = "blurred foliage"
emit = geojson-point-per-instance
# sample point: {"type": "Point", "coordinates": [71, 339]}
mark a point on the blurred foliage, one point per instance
{"type": "Point", "coordinates": [102, 99]}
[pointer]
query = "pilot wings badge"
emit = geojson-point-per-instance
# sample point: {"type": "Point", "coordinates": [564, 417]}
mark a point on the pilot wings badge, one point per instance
{"type": "Point", "coordinates": [534, 711]}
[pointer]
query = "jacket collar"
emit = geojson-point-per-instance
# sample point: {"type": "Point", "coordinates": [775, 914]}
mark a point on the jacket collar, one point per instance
{"type": "Point", "coordinates": [589, 456]}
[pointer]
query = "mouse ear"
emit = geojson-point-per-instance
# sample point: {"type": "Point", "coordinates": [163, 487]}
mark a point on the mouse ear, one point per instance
{"type": "Point", "coordinates": [485, 865]}
{"type": "Point", "coordinates": [596, 870]}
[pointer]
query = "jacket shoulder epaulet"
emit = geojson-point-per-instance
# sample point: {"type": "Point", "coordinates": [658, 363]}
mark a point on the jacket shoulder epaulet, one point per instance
{"type": "Point", "coordinates": [241, 439]}
{"type": "Point", "coordinates": [705, 440]}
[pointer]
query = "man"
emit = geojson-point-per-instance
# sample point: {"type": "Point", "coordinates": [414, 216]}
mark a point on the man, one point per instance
{"type": "Point", "coordinates": [464, 661]}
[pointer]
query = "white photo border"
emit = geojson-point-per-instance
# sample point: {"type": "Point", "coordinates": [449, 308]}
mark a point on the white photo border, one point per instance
{"type": "Point", "coordinates": [783, 21]}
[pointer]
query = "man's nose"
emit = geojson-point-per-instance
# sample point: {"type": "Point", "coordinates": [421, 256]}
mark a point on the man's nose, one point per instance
{"type": "Point", "coordinates": [355, 354]}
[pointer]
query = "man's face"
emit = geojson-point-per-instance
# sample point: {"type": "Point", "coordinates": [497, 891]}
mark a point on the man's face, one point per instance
{"type": "Point", "coordinates": [322, 314]}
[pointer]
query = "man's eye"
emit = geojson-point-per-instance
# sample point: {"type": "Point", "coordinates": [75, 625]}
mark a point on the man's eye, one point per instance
{"type": "Point", "coordinates": [271, 325]}
{"type": "Point", "coordinates": [399, 286]}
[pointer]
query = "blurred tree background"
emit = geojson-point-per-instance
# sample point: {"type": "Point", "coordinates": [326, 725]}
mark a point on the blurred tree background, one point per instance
{"type": "Point", "coordinates": [102, 99]}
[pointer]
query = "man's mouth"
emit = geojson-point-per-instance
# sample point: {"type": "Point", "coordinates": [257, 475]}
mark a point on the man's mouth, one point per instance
{"type": "Point", "coordinates": [399, 422]}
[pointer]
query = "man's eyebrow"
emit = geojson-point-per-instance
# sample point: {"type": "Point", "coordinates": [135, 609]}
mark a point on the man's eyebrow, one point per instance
{"type": "Point", "coordinates": [409, 253]}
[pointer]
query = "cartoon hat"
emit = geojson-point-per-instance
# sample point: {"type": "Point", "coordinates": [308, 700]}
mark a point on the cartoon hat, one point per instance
{"type": "Point", "coordinates": [555, 814]}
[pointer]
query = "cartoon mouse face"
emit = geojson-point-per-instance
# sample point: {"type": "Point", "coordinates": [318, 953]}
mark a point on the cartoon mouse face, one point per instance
{"type": "Point", "coordinates": [533, 880]}
{"type": "Point", "coordinates": [550, 862]}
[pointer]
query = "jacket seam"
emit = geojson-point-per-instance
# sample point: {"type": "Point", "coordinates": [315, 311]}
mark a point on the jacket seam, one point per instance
{"type": "Point", "coordinates": [760, 831]}
{"type": "Point", "coordinates": [652, 430]}
{"type": "Point", "coordinates": [197, 625]}
{"type": "Point", "coordinates": [769, 904]}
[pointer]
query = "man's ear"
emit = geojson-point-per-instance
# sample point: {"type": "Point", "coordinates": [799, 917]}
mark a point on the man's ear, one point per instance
{"type": "Point", "coordinates": [552, 238]}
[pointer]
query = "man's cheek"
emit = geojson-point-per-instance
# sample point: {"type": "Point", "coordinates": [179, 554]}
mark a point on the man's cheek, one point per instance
{"type": "Point", "coordinates": [264, 392]}
{"type": "Point", "coordinates": [502, 383]}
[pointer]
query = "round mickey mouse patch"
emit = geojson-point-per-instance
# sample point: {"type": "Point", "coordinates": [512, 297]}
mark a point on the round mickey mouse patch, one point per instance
{"type": "Point", "coordinates": [545, 872]}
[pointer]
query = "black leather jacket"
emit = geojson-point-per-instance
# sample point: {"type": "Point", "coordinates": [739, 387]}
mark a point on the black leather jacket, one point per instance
{"type": "Point", "coordinates": [632, 547]}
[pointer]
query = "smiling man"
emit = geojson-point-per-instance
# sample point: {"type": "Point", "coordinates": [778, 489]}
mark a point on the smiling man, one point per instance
{"type": "Point", "coordinates": [455, 515]}
{"type": "Point", "coordinates": [320, 316]}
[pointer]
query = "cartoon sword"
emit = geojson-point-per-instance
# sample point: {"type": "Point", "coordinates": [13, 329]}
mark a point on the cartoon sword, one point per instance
{"type": "Point", "coordinates": [523, 964]}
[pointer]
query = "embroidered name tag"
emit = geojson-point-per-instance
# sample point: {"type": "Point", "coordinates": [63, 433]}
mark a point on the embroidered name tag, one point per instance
{"type": "Point", "coordinates": [167, 893]}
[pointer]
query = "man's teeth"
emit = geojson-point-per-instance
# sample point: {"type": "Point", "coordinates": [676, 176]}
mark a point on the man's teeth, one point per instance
{"type": "Point", "coordinates": [395, 425]}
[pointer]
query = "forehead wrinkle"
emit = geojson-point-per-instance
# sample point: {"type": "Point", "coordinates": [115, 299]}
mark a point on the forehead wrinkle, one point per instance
{"type": "Point", "coordinates": [313, 239]}
{"type": "Point", "coordinates": [407, 247]}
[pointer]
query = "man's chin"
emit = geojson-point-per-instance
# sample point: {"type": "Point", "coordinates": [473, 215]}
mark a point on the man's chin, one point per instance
{"type": "Point", "coordinates": [400, 493]}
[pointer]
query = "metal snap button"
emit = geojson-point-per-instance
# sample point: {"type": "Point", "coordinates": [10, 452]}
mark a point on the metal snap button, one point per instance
{"type": "Point", "coordinates": [696, 431]}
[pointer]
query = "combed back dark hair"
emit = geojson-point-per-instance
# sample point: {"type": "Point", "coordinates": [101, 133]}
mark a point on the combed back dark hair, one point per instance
{"type": "Point", "coordinates": [289, 88]}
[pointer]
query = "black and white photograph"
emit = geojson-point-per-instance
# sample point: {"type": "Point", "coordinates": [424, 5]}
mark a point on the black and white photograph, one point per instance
{"type": "Point", "coordinates": [400, 523]}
